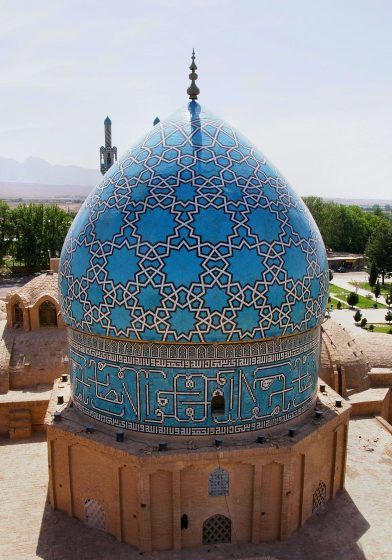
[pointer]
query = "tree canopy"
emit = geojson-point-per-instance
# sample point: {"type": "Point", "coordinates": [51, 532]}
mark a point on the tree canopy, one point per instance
{"type": "Point", "coordinates": [345, 228]}
{"type": "Point", "coordinates": [30, 233]}
{"type": "Point", "coordinates": [379, 248]}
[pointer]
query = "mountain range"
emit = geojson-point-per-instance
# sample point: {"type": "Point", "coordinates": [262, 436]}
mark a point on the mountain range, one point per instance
{"type": "Point", "coordinates": [36, 178]}
{"type": "Point", "coordinates": [39, 171]}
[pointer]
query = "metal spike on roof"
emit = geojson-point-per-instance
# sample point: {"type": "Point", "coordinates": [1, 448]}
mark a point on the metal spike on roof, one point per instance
{"type": "Point", "coordinates": [193, 91]}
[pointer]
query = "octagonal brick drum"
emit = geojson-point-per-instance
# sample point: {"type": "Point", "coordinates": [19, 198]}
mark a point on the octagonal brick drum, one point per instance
{"type": "Point", "coordinates": [193, 281]}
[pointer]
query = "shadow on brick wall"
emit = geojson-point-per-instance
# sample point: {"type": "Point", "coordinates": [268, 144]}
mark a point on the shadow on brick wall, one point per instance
{"type": "Point", "coordinates": [332, 533]}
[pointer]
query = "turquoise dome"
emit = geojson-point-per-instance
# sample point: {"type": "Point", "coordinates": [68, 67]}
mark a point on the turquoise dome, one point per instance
{"type": "Point", "coordinates": [193, 236]}
{"type": "Point", "coordinates": [193, 281]}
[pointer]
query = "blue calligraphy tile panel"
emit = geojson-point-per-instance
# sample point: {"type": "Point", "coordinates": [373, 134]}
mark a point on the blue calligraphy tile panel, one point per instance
{"type": "Point", "coordinates": [168, 389]}
{"type": "Point", "coordinates": [193, 236]}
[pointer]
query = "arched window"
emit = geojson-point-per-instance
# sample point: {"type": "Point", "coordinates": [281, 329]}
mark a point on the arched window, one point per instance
{"type": "Point", "coordinates": [217, 529]}
{"type": "Point", "coordinates": [319, 496]}
{"type": "Point", "coordinates": [184, 521]}
{"type": "Point", "coordinates": [218, 483]}
{"type": "Point", "coordinates": [217, 405]}
{"type": "Point", "coordinates": [17, 318]}
{"type": "Point", "coordinates": [94, 515]}
{"type": "Point", "coordinates": [47, 314]}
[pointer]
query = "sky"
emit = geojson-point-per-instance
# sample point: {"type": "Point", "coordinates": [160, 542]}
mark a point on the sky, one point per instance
{"type": "Point", "coordinates": [308, 82]}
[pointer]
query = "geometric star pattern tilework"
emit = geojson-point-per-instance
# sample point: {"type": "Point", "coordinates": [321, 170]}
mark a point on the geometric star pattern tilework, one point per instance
{"type": "Point", "coordinates": [193, 236]}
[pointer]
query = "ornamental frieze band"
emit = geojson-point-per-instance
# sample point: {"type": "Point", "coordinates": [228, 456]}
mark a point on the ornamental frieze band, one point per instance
{"type": "Point", "coordinates": [193, 355]}
{"type": "Point", "coordinates": [189, 432]}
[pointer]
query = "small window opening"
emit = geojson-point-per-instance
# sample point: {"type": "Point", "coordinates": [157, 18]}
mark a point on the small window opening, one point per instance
{"type": "Point", "coordinates": [319, 496]}
{"type": "Point", "coordinates": [217, 405]}
{"type": "Point", "coordinates": [184, 521]}
{"type": "Point", "coordinates": [95, 516]}
{"type": "Point", "coordinates": [218, 483]}
{"type": "Point", "coordinates": [18, 315]}
{"type": "Point", "coordinates": [340, 381]}
{"type": "Point", "coordinates": [217, 529]}
{"type": "Point", "coordinates": [47, 314]}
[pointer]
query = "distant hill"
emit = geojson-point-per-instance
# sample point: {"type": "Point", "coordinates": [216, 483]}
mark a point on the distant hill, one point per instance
{"type": "Point", "coordinates": [37, 179]}
{"type": "Point", "coordinates": [363, 202]}
{"type": "Point", "coordinates": [38, 171]}
{"type": "Point", "coordinates": [13, 191]}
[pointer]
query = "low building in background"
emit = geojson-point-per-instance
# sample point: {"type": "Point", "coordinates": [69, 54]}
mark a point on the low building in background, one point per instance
{"type": "Point", "coordinates": [345, 262]}
{"type": "Point", "coordinates": [33, 354]}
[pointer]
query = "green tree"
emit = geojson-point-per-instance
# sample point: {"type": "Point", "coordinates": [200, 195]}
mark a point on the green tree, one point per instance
{"type": "Point", "coordinates": [5, 229]}
{"type": "Point", "coordinates": [373, 274]}
{"type": "Point", "coordinates": [377, 290]}
{"type": "Point", "coordinates": [352, 299]}
{"type": "Point", "coordinates": [379, 248]}
{"type": "Point", "coordinates": [388, 316]}
{"type": "Point", "coordinates": [363, 322]}
{"type": "Point", "coordinates": [357, 316]}
{"type": "Point", "coordinates": [344, 228]}
{"type": "Point", "coordinates": [39, 231]}
{"type": "Point", "coordinates": [388, 297]}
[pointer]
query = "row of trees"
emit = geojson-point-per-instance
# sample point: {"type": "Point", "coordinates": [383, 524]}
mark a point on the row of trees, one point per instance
{"type": "Point", "coordinates": [29, 233]}
{"type": "Point", "coordinates": [379, 252]}
{"type": "Point", "coordinates": [352, 229]}
{"type": "Point", "coordinates": [345, 228]}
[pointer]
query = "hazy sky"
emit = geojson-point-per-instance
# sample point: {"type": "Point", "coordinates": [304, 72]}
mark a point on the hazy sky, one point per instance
{"type": "Point", "coordinates": [309, 82]}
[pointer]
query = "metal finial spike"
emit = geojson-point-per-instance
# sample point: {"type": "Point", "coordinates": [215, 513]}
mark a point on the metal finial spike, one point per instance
{"type": "Point", "coordinates": [193, 91]}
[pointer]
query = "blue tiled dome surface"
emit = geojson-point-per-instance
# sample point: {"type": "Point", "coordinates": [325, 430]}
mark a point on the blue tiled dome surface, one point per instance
{"type": "Point", "coordinates": [193, 236]}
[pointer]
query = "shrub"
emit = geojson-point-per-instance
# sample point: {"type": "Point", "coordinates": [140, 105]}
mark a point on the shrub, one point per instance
{"type": "Point", "coordinates": [371, 327]}
{"type": "Point", "coordinates": [388, 297]}
{"type": "Point", "coordinates": [363, 322]}
{"type": "Point", "coordinates": [339, 305]}
{"type": "Point", "coordinates": [357, 316]}
{"type": "Point", "coordinates": [352, 299]}
{"type": "Point", "coordinates": [375, 305]}
{"type": "Point", "coordinates": [388, 316]}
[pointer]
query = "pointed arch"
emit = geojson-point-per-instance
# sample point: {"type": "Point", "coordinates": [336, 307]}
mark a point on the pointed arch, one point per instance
{"type": "Point", "coordinates": [217, 529]}
{"type": "Point", "coordinates": [218, 482]}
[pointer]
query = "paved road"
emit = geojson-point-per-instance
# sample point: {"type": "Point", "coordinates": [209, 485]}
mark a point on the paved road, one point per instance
{"type": "Point", "coordinates": [346, 317]}
{"type": "Point", "coordinates": [344, 279]}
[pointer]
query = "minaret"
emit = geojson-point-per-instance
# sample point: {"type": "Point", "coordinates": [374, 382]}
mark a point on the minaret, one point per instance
{"type": "Point", "coordinates": [108, 153]}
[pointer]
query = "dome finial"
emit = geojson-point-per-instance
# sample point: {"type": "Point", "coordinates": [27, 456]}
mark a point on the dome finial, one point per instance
{"type": "Point", "coordinates": [193, 91]}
